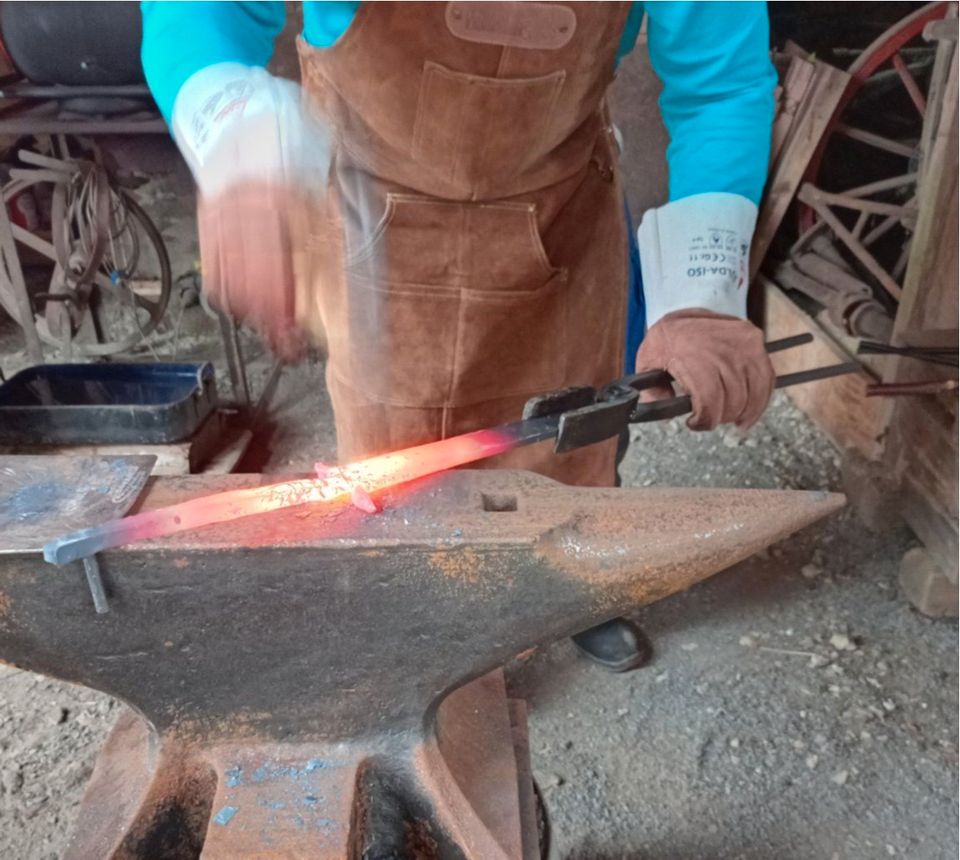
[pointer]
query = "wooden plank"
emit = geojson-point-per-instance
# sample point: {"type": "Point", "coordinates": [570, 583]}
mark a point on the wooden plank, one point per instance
{"type": "Point", "coordinates": [796, 82]}
{"type": "Point", "coordinates": [813, 116]}
{"type": "Point", "coordinates": [923, 432]}
{"type": "Point", "coordinates": [930, 301]}
{"type": "Point", "coordinates": [839, 406]}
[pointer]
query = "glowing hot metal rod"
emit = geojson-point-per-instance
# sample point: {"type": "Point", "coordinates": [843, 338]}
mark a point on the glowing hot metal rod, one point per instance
{"type": "Point", "coordinates": [335, 484]}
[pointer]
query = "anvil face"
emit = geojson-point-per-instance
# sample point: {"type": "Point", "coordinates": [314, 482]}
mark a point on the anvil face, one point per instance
{"type": "Point", "coordinates": [295, 670]}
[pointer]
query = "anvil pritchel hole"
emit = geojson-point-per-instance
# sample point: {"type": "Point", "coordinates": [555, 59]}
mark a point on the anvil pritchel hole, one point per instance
{"type": "Point", "coordinates": [498, 503]}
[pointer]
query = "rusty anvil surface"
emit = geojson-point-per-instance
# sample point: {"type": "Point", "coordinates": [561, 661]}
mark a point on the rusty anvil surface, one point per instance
{"type": "Point", "coordinates": [298, 681]}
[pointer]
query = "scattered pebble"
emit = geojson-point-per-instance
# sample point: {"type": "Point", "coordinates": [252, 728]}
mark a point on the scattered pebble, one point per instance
{"type": "Point", "coordinates": [689, 646]}
{"type": "Point", "coordinates": [731, 440]}
{"type": "Point", "coordinates": [747, 641]}
{"type": "Point", "coordinates": [842, 642]}
{"type": "Point", "coordinates": [553, 780]}
{"type": "Point", "coordinates": [734, 743]}
{"type": "Point", "coordinates": [811, 571]}
{"type": "Point", "coordinates": [840, 777]}
{"type": "Point", "coordinates": [11, 780]}
{"type": "Point", "coordinates": [812, 760]}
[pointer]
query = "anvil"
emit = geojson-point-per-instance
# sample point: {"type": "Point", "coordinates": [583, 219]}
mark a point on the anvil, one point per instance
{"type": "Point", "coordinates": [320, 682]}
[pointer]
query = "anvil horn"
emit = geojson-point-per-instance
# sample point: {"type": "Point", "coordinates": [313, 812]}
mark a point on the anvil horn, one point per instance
{"type": "Point", "coordinates": [291, 667]}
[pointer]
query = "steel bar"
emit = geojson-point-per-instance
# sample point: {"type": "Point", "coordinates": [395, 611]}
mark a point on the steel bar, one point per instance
{"type": "Point", "coordinates": [266, 395]}
{"type": "Point", "coordinates": [790, 342]}
{"type": "Point", "coordinates": [28, 125]}
{"type": "Point", "coordinates": [230, 336]}
{"type": "Point", "coordinates": [41, 91]}
{"type": "Point", "coordinates": [867, 347]}
{"type": "Point", "coordinates": [945, 358]}
{"type": "Point", "coordinates": [912, 389]}
{"type": "Point", "coordinates": [91, 570]}
{"type": "Point", "coordinates": [337, 484]}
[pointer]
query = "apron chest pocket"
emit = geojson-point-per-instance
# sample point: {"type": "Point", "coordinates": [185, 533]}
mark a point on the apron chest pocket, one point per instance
{"type": "Point", "coordinates": [473, 131]}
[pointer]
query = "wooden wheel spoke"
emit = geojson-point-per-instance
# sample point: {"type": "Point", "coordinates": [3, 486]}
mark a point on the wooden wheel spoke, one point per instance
{"type": "Point", "coordinates": [875, 140]}
{"type": "Point", "coordinates": [910, 84]}
{"type": "Point", "coordinates": [880, 230]}
{"type": "Point", "coordinates": [901, 265]}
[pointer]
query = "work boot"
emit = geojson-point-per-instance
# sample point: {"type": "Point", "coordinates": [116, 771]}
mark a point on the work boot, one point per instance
{"type": "Point", "coordinates": [618, 645]}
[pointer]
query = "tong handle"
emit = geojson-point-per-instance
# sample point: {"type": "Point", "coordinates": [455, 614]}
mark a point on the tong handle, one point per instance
{"type": "Point", "coordinates": [671, 407]}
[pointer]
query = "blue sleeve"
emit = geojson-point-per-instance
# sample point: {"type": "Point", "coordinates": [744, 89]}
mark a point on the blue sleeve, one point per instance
{"type": "Point", "coordinates": [182, 38]}
{"type": "Point", "coordinates": [717, 101]}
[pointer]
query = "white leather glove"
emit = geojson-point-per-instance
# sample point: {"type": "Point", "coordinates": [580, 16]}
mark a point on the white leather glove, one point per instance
{"type": "Point", "coordinates": [256, 156]}
{"type": "Point", "coordinates": [695, 252]}
{"type": "Point", "coordinates": [694, 255]}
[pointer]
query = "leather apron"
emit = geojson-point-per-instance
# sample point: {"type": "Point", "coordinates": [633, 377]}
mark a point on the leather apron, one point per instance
{"type": "Point", "coordinates": [473, 249]}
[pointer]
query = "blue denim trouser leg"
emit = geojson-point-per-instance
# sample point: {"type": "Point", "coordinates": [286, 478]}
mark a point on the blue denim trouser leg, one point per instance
{"type": "Point", "coordinates": [636, 320]}
{"type": "Point", "coordinates": [636, 309]}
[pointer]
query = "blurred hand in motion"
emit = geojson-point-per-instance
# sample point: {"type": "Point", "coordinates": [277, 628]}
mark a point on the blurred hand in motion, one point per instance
{"type": "Point", "coordinates": [258, 158]}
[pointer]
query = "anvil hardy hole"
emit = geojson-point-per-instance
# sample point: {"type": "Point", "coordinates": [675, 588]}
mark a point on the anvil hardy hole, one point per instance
{"type": "Point", "coordinates": [498, 503]}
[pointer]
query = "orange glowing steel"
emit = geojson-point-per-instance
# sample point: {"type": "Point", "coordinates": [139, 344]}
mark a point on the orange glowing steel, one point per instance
{"type": "Point", "coordinates": [334, 484]}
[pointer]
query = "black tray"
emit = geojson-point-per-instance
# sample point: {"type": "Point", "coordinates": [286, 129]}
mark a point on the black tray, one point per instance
{"type": "Point", "coordinates": [104, 404]}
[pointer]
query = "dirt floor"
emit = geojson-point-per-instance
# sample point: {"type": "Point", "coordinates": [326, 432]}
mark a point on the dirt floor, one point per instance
{"type": "Point", "coordinates": [796, 707]}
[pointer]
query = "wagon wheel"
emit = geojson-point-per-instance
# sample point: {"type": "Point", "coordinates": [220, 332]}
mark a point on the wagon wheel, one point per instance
{"type": "Point", "coordinates": [872, 150]}
{"type": "Point", "coordinates": [110, 278]}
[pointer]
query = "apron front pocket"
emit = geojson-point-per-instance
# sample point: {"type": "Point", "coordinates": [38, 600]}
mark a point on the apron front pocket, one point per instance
{"type": "Point", "coordinates": [450, 303]}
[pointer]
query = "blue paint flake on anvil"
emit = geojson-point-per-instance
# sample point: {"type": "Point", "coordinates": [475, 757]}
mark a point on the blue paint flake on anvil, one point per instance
{"type": "Point", "coordinates": [225, 815]}
{"type": "Point", "coordinates": [270, 772]}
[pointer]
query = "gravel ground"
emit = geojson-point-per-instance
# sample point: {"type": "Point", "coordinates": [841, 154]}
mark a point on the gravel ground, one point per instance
{"type": "Point", "coordinates": [796, 706]}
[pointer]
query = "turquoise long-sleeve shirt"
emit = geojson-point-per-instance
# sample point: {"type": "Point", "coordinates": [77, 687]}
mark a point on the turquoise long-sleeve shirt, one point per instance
{"type": "Point", "coordinates": [717, 101]}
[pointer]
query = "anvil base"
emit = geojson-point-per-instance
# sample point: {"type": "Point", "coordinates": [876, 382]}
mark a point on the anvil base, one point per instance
{"type": "Point", "coordinates": [160, 796]}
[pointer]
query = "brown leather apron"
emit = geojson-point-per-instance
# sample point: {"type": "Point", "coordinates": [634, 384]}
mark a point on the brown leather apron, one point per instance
{"type": "Point", "coordinates": [473, 251]}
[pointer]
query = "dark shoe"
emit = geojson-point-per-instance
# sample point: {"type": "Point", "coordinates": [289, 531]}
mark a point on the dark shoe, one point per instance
{"type": "Point", "coordinates": [617, 645]}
